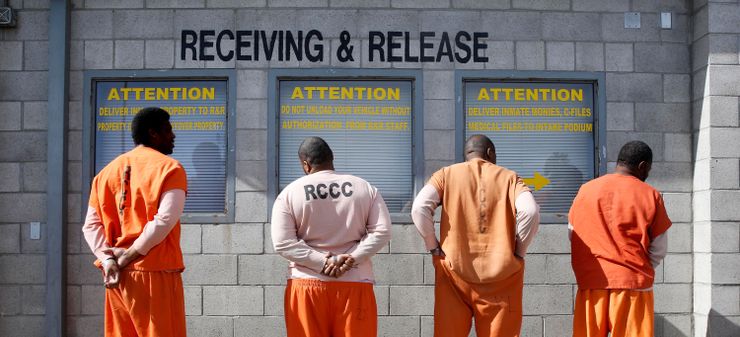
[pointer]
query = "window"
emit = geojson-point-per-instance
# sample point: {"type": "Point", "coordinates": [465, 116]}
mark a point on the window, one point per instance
{"type": "Point", "coordinates": [370, 124]}
{"type": "Point", "coordinates": [200, 116]}
{"type": "Point", "coordinates": [546, 129]}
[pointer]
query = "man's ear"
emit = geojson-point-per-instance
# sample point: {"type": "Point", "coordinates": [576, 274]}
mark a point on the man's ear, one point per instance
{"type": "Point", "coordinates": [644, 168]}
{"type": "Point", "coordinates": [491, 153]}
{"type": "Point", "coordinates": [153, 134]}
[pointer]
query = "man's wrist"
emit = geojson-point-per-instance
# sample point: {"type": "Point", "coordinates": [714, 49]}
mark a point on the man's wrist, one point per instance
{"type": "Point", "coordinates": [436, 251]}
{"type": "Point", "coordinates": [110, 261]}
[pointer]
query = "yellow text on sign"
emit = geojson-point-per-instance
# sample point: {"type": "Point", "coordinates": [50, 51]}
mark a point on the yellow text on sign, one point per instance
{"type": "Point", "coordinates": [346, 93]}
{"type": "Point", "coordinates": [303, 124]}
{"type": "Point", "coordinates": [161, 94]}
{"type": "Point", "coordinates": [286, 109]}
{"type": "Point", "coordinates": [530, 127]}
{"type": "Point", "coordinates": [530, 94]}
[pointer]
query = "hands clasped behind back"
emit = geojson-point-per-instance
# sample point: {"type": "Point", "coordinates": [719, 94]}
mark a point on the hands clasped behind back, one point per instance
{"type": "Point", "coordinates": [337, 265]}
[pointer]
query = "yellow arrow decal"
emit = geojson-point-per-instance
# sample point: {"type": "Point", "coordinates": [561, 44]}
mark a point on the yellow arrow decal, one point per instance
{"type": "Point", "coordinates": [538, 181]}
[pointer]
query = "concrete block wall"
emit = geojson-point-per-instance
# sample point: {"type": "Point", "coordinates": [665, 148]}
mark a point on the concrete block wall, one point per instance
{"type": "Point", "coordinates": [23, 94]}
{"type": "Point", "coordinates": [234, 281]}
{"type": "Point", "coordinates": [716, 186]}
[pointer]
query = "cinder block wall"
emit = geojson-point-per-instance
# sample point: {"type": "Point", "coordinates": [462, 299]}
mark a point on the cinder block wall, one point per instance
{"type": "Point", "coordinates": [716, 88]}
{"type": "Point", "coordinates": [23, 95]}
{"type": "Point", "coordinates": [234, 281]}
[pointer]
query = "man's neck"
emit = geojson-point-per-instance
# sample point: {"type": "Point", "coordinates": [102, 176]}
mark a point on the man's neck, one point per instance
{"type": "Point", "coordinates": [625, 171]}
{"type": "Point", "coordinates": [321, 168]}
{"type": "Point", "coordinates": [474, 156]}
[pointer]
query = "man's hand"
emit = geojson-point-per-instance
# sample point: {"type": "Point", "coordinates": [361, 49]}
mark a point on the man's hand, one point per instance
{"type": "Point", "coordinates": [114, 251]}
{"type": "Point", "coordinates": [127, 257]}
{"type": "Point", "coordinates": [110, 273]}
{"type": "Point", "coordinates": [337, 265]}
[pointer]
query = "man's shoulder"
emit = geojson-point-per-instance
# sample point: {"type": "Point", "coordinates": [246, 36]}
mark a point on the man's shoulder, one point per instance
{"type": "Point", "coordinates": [500, 171]}
{"type": "Point", "coordinates": [114, 164]}
{"type": "Point", "coordinates": [154, 157]}
{"type": "Point", "coordinates": [352, 177]}
{"type": "Point", "coordinates": [463, 166]}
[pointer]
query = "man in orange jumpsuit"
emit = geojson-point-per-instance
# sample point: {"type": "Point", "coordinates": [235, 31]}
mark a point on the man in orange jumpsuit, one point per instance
{"type": "Point", "coordinates": [489, 217]}
{"type": "Point", "coordinates": [133, 228]}
{"type": "Point", "coordinates": [618, 227]}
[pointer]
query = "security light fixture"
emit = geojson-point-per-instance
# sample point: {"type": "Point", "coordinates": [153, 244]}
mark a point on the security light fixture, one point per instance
{"type": "Point", "coordinates": [7, 17]}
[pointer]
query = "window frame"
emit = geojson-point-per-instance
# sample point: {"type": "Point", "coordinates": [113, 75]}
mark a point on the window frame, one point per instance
{"type": "Point", "coordinates": [275, 76]}
{"type": "Point", "coordinates": [598, 80]}
{"type": "Point", "coordinates": [92, 77]}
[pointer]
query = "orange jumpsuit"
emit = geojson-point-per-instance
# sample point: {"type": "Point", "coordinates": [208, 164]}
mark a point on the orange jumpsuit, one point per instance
{"type": "Point", "coordinates": [126, 195]}
{"type": "Point", "coordinates": [615, 219]}
{"type": "Point", "coordinates": [480, 276]}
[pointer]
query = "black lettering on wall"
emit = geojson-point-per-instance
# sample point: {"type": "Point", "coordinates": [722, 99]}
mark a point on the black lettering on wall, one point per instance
{"type": "Point", "coordinates": [285, 45]}
{"type": "Point", "coordinates": [228, 56]}
{"type": "Point", "coordinates": [462, 46]}
{"type": "Point", "coordinates": [242, 43]}
{"type": "Point", "coordinates": [188, 45]}
{"type": "Point", "coordinates": [393, 45]}
{"type": "Point", "coordinates": [445, 48]}
{"type": "Point", "coordinates": [205, 43]}
{"type": "Point", "coordinates": [318, 47]}
{"type": "Point", "coordinates": [292, 45]}
{"type": "Point", "coordinates": [407, 51]}
{"type": "Point", "coordinates": [376, 46]}
{"type": "Point", "coordinates": [269, 46]}
{"type": "Point", "coordinates": [478, 46]}
{"type": "Point", "coordinates": [423, 46]}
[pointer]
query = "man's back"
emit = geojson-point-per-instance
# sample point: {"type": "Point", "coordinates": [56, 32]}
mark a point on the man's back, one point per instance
{"type": "Point", "coordinates": [478, 228]}
{"type": "Point", "coordinates": [614, 219]}
{"type": "Point", "coordinates": [128, 192]}
{"type": "Point", "coordinates": [331, 212]}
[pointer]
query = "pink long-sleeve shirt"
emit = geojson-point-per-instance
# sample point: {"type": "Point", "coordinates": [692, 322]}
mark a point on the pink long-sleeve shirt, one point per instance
{"type": "Point", "coordinates": [329, 212]}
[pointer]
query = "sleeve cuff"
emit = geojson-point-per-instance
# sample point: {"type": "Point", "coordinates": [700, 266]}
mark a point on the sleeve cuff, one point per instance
{"type": "Point", "coordinates": [317, 261]}
{"type": "Point", "coordinates": [431, 242]}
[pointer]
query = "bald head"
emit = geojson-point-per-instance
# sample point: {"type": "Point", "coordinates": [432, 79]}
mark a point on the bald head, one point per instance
{"type": "Point", "coordinates": [480, 146]}
{"type": "Point", "coordinates": [316, 154]}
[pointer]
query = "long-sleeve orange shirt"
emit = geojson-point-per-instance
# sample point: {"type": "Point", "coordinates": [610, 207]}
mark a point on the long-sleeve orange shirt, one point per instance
{"type": "Point", "coordinates": [615, 219]}
{"type": "Point", "coordinates": [126, 195]}
{"type": "Point", "coordinates": [478, 230]}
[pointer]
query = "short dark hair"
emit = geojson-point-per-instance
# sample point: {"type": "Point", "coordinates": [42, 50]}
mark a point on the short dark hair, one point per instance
{"type": "Point", "coordinates": [147, 118]}
{"type": "Point", "coordinates": [478, 144]}
{"type": "Point", "coordinates": [633, 153]}
{"type": "Point", "coordinates": [315, 151]}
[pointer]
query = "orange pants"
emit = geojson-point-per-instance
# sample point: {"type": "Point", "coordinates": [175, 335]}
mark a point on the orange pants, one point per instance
{"type": "Point", "coordinates": [315, 308]}
{"type": "Point", "coordinates": [623, 312]}
{"type": "Point", "coordinates": [497, 307]}
{"type": "Point", "coordinates": [146, 304]}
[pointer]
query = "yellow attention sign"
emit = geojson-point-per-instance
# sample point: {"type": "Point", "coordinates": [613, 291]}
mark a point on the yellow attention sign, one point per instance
{"type": "Point", "coordinates": [530, 94]}
{"type": "Point", "coordinates": [162, 94]}
{"type": "Point", "coordinates": [347, 93]}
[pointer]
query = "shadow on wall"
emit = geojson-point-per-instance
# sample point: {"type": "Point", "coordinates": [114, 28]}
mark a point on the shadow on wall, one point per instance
{"type": "Point", "coordinates": [721, 326]}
